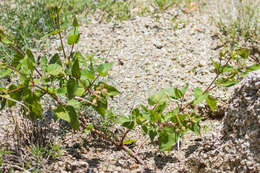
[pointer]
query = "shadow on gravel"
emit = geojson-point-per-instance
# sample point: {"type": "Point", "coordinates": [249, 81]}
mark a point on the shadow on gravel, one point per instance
{"type": "Point", "coordinates": [191, 149]}
{"type": "Point", "coordinates": [160, 160]}
{"type": "Point", "coordinates": [93, 163]}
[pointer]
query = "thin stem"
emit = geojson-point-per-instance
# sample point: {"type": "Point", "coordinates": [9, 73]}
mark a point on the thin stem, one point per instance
{"type": "Point", "coordinates": [218, 73]}
{"type": "Point", "coordinates": [37, 71]}
{"type": "Point", "coordinates": [123, 137]}
{"type": "Point", "coordinates": [61, 41]}
{"type": "Point", "coordinates": [51, 94]}
{"type": "Point", "coordinates": [141, 145]}
{"type": "Point", "coordinates": [84, 100]}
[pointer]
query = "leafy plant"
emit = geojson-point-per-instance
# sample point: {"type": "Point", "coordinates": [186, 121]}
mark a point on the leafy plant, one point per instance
{"type": "Point", "coordinates": [74, 83]}
{"type": "Point", "coordinates": [238, 21]}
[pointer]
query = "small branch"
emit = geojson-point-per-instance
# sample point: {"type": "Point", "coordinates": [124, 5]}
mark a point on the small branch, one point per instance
{"type": "Point", "coordinates": [59, 33]}
{"type": "Point", "coordinates": [218, 73]}
{"type": "Point", "coordinates": [37, 71]}
{"type": "Point", "coordinates": [72, 47]}
{"type": "Point", "coordinates": [123, 137]}
{"type": "Point", "coordinates": [7, 97]}
{"type": "Point", "coordinates": [84, 100]}
{"type": "Point", "coordinates": [140, 146]}
{"type": "Point", "coordinates": [132, 154]}
{"type": "Point", "coordinates": [125, 148]}
{"type": "Point", "coordinates": [91, 84]}
{"type": "Point", "coordinates": [51, 94]}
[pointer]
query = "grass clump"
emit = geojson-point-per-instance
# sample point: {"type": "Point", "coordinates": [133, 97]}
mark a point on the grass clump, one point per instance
{"type": "Point", "coordinates": [239, 21]}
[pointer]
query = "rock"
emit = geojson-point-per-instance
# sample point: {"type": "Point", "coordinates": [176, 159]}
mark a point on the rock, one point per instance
{"type": "Point", "coordinates": [236, 147]}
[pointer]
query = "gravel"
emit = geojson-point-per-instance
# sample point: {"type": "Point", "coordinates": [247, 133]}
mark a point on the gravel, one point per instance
{"type": "Point", "coordinates": [149, 53]}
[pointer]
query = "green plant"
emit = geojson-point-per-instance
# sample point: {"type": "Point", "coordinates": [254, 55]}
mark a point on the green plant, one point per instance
{"type": "Point", "coordinates": [110, 9]}
{"type": "Point", "coordinates": [238, 21]}
{"type": "Point", "coordinates": [3, 152]}
{"type": "Point", "coordinates": [76, 84]}
{"type": "Point", "coordinates": [26, 21]}
{"type": "Point", "coordinates": [165, 4]}
{"type": "Point", "coordinates": [52, 151]}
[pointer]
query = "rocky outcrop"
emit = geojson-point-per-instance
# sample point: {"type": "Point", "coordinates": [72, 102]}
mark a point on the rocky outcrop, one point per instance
{"type": "Point", "coordinates": [236, 146]}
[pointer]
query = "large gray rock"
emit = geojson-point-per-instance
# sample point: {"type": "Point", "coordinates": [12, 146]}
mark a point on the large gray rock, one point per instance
{"type": "Point", "coordinates": [236, 146]}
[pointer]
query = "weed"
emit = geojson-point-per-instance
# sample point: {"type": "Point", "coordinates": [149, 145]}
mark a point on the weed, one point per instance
{"type": "Point", "coordinates": [238, 21]}
{"type": "Point", "coordinates": [75, 84]}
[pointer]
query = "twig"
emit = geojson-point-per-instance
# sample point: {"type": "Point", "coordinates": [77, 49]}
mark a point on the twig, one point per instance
{"type": "Point", "coordinates": [123, 137]}
{"type": "Point", "coordinates": [124, 147]}
{"type": "Point", "coordinates": [61, 41]}
{"type": "Point", "coordinates": [84, 100]}
{"type": "Point", "coordinates": [140, 146]}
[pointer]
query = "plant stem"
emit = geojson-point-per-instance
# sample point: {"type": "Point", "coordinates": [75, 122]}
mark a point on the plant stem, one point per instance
{"type": "Point", "coordinates": [123, 137]}
{"type": "Point", "coordinates": [84, 100]}
{"type": "Point", "coordinates": [118, 145]}
{"type": "Point", "coordinates": [212, 82]}
{"type": "Point", "coordinates": [59, 33]}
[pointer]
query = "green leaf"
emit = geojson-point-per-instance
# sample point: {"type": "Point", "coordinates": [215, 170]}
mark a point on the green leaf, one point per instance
{"type": "Point", "coordinates": [160, 108]}
{"type": "Point", "coordinates": [3, 103]}
{"type": "Point", "coordinates": [88, 74]}
{"type": "Point", "coordinates": [55, 59]}
{"type": "Point", "coordinates": [103, 69]}
{"type": "Point", "coordinates": [76, 69]}
{"type": "Point", "coordinates": [75, 22]}
{"type": "Point", "coordinates": [78, 91]}
{"type": "Point", "coordinates": [68, 114]}
{"type": "Point", "coordinates": [111, 91]}
{"type": "Point", "coordinates": [227, 68]}
{"type": "Point", "coordinates": [196, 128]}
{"type": "Point", "coordinates": [44, 61]}
{"type": "Point", "coordinates": [62, 91]}
{"type": "Point", "coordinates": [199, 96]}
{"type": "Point", "coordinates": [129, 141]}
{"type": "Point", "coordinates": [178, 94]}
{"type": "Point", "coordinates": [127, 122]}
{"type": "Point", "coordinates": [226, 82]}
{"type": "Point", "coordinates": [212, 102]}
{"type": "Point", "coordinates": [101, 107]}
{"type": "Point", "coordinates": [16, 59]}
{"type": "Point", "coordinates": [54, 32]}
{"type": "Point", "coordinates": [216, 65]}
{"type": "Point", "coordinates": [89, 128]}
{"type": "Point", "coordinates": [74, 120]}
{"type": "Point", "coordinates": [73, 37]}
{"type": "Point", "coordinates": [171, 114]}
{"type": "Point", "coordinates": [197, 92]}
{"type": "Point", "coordinates": [252, 68]}
{"type": "Point", "coordinates": [244, 53]}
{"type": "Point", "coordinates": [152, 134]}
{"type": "Point", "coordinates": [75, 104]}
{"type": "Point", "coordinates": [5, 72]}
{"type": "Point", "coordinates": [159, 97]}
{"type": "Point", "coordinates": [6, 41]}
{"type": "Point", "coordinates": [71, 84]}
{"type": "Point", "coordinates": [54, 69]}
{"type": "Point", "coordinates": [184, 89]}
{"type": "Point", "coordinates": [14, 95]}
{"type": "Point", "coordinates": [167, 138]}
{"type": "Point", "coordinates": [27, 65]}
{"type": "Point", "coordinates": [144, 128]}
{"type": "Point", "coordinates": [30, 55]}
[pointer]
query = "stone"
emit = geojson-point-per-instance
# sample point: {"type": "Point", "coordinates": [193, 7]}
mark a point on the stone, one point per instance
{"type": "Point", "coordinates": [236, 147]}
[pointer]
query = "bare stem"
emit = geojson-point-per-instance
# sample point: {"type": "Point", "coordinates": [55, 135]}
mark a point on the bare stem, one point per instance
{"type": "Point", "coordinates": [61, 41]}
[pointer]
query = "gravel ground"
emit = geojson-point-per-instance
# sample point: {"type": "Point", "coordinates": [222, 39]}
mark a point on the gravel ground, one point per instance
{"type": "Point", "coordinates": [150, 53]}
